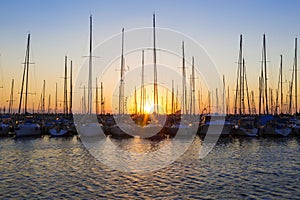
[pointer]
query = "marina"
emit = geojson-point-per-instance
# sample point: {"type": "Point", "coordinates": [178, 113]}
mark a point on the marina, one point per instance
{"type": "Point", "coordinates": [140, 100]}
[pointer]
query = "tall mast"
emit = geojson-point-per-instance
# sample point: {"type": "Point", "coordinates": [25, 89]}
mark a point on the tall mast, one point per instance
{"type": "Point", "coordinates": [65, 89]}
{"type": "Point", "coordinates": [172, 100]}
{"type": "Point", "coordinates": [261, 85]}
{"type": "Point", "coordinates": [227, 102]}
{"type": "Point", "coordinates": [238, 92]}
{"type": "Point", "coordinates": [27, 72]}
{"type": "Point", "coordinates": [253, 103]}
{"type": "Point", "coordinates": [199, 102]}
{"type": "Point", "coordinates": [247, 91]}
{"type": "Point", "coordinates": [11, 97]}
{"type": "Point", "coordinates": [223, 96]}
{"type": "Point", "coordinates": [155, 69]}
{"type": "Point", "coordinates": [217, 101]}
{"type": "Point", "coordinates": [135, 101]}
{"type": "Point", "coordinates": [193, 87]}
{"type": "Point", "coordinates": [241, 99]}
{"type": "Point", "coordinates": [209, 102]}
{"type": "Point", "coordinates": [101, 97]}
{"type": "Point", "coordinates": [90, 70]}
{"type": "Point", "coordinates": [176, 105]}
{"type": "Point", "coordinates": [142, 103]}
{"type": "Point", "coordinates": [43, 97]}
{"type": "Point", "coordinates": [166, 102]}
{"type": "Point", "coordinates": [49, 103]}
{"type": "Point", "coordinates": [281, 93]}
{"type": "Point", "coordinates": [184, 100]}
{"type": "Point", "coordinates": [121, 88]}
{"type": "Point", "coordinates": [84, 101]}
{"type": "Point", "coordinates": [55, 98]}
{"type": "Point", "coordinates": [97, 108]}
{"type": "Point", "coordinates": [265, 65]}
{"type": "Point", "coordinates": [296, 82]}
{"type": "Point", "coordinates": [71, 89]}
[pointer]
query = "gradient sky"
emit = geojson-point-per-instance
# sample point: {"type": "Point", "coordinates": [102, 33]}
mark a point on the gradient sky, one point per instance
{"type": "Point", "coordinates": [60, 27]}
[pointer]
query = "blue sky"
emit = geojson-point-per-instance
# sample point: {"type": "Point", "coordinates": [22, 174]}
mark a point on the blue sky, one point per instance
{"type": "Point", "coordinates": [60, 27]}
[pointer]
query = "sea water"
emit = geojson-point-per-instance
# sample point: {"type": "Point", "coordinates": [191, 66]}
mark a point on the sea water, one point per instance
{"type": "Point", "coordinates": [55, 168]}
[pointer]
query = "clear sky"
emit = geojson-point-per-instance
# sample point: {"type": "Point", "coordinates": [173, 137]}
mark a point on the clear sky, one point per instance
{"type": "Point", "coordinates": [60, 27]}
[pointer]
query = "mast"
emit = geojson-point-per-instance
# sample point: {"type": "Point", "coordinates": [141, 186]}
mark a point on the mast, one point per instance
{"type": "Point", "coordinates": [172, 98]}
{"type": "Point", "coordinates": [43, 97]}
{"type": "Point", "coordinates": [102, 100]}
{"type": "Point", "coordinates": [25, 72]}
{"type": "Point", "coordinates": [71, 89]}
{"type": "Point", "coordinates": [296, 82]}
{"type": "Point", "coordinates": [265, 66]}
{"type": "Point", "coordinates": [55, 98]}
{"type": "Point", "coordinates": [90, 70]}
{"type": "Point", "coordinates": [217, 101]}
{"type": "Point", "coordinates": [84, 100]}
{"type": "Point", "coordinates": [223, 96]}
{"type": "Point", "coordinates": [184, 100]}
{"type": "Point", "coordinates": [135, 101]}
{"type": "Point", "coordinates": [199, 102]}
{"type": "Point", "coordinates": [176, 105]}
{"type": "Point", "coordinates": [97, 107]}
{"type": "Point", "coordinates": [155, 69]}
{"type": "Point", "coordinates": [193, 87]}
{"type": "Point", "coordinates": [65, 89]}
{"type": "Point", "coordinates": [121, 88]}
{"type": "Point", "coordinates": [209, 103]}
{"type": "Point", "coordinates": [241, 99]}
{"type": "Point", "coordinates": [10, 105]}
{"type": "Point", "coordinates": [253, 103]}
{"type": "Point", "coordinates": [49, 103]}
{"type": "Point", "coordinates": [238, 91]}
{"type": "Point", "coordinates": [247, 91]}
{"type": "Point", "coordinates": [281, 93]}
{"type": "Point", "coordinates": [166, 102]}
{"type": "Point", "coordinates": [227, 102]}
{"type": "Point", "coordinates": [142, 103]}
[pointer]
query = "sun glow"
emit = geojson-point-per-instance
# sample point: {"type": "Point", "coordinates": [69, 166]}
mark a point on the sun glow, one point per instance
{"type": "Point", "coordinates": [147, 109]}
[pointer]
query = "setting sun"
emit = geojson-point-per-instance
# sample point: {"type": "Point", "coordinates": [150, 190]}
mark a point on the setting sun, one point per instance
{"type": "Point", "coordinates": [147, 109]}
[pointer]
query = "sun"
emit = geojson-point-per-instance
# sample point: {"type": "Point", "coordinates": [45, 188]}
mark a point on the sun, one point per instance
{"type": "Point", "coordinates": [147, 109]}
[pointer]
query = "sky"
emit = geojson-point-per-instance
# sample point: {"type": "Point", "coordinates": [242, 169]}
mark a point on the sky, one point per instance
{"type": "Point", "coordinates": [61, 27]}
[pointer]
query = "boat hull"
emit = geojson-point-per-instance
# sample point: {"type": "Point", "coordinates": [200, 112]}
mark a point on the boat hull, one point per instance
{"type": "Point", "coordinates": [4, 129]}
{"type": "Point", "coordinates": [90, 130]}
{"type": "Point", "coordinates": [57, 133]}
{"type": "Point", "coordinates": [276, 132]}
{"type": "Point", "coordinates": [28, 130]}
{"type": "Point", "coordinates": [247, 132]}
{"type": "Point", "coordinates": [214, 129]}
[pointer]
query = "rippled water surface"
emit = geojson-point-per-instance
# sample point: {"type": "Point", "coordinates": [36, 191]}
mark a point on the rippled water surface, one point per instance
{"type": "Point", "coordinates": [54, 168]}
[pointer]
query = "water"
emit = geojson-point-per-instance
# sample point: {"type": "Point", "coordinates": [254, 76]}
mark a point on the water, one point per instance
{"type": "Point", "coordinates": [52, 168]}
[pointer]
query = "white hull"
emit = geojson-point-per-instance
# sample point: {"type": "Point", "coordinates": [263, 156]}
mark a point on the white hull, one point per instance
{"type": "Point", "coordinates": [28, 130]}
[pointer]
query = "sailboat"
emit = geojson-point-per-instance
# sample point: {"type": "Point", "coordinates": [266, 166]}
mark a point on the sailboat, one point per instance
{"type": "Point", "coordinates": [28, 126]}
{"type": "Point", "coordinates": [4, 125]}
{"type": "Point", "coordinates": [246, 126]}
{"type": "Point", "coordinates": [90, 126]}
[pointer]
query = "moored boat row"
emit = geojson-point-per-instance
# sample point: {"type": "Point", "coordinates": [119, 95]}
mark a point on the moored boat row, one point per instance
{"type": "Point", "coordinates": [223, 126]}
